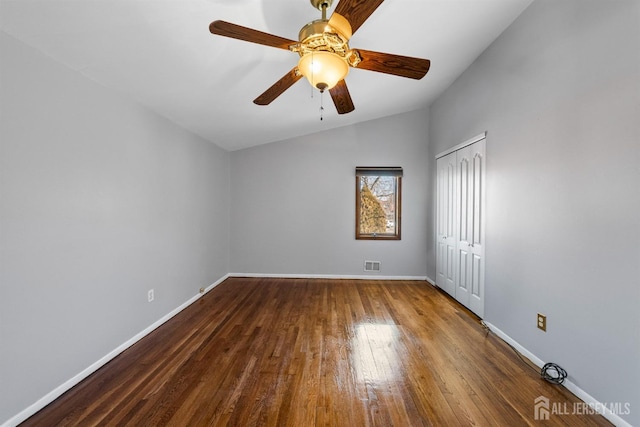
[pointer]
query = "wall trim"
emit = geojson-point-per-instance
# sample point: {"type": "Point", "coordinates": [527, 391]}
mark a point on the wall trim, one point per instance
{"type": "Point", "coordinates": [473, 140]}
{"type": "Point", "coordinates": [70, 383]}
{"type": "Point", "coordinates": [573, 388]}
{"type": "Point", "coordinates": [328, 276]}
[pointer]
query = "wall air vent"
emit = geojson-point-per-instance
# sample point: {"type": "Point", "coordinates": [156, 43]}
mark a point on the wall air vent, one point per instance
{"type": "Point", "coordinates": [372, 266]}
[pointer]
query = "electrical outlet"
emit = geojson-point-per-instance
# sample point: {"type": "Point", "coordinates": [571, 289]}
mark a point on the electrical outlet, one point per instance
{"type": "Point", "coordinates": [542, 322]}
{"type": "Point", "coordinates": [150, 295]}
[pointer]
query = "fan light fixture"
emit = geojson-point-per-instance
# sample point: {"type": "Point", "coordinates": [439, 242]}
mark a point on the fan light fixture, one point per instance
{"type": "Point", "coordinates": [323, 49]}
{"type": "Point", "coordinates": [325, 55]}
{"type": "Point", "coordinates": [323, 69]}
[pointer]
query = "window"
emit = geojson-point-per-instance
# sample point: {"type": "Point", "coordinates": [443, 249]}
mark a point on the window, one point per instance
{"type": "Point", "coordinates": [378, 196]}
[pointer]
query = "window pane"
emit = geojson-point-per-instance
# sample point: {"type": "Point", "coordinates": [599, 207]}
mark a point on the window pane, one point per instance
{"type": "Point", "coordinates": [378, 213]}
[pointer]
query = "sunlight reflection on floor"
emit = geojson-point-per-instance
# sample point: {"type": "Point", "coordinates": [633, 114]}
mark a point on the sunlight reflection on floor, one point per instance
{"type": "Point", "coordinates": [375, 353]}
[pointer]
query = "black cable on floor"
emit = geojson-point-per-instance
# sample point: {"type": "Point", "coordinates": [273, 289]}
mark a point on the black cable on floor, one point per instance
{"type": "Point", "coordinates": [551, 372]}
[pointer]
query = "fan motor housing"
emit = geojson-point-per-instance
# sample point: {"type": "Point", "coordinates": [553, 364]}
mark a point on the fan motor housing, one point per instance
{"type": "Point", "coordinates": [319, 35]}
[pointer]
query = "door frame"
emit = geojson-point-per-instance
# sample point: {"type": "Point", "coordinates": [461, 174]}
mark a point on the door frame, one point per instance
{"type": "Point", "coordinates": [475, 139]}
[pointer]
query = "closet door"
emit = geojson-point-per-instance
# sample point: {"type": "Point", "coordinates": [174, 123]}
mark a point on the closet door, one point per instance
{"type": "Point", "coordinates": [476, 208]}
{"type": "Point", "coordinates": [464, 225]}
{"type": "Point", "coordinates": [460, 200]}
{"type": "Point", "coordinates": [446, 223]}
{"type": "Point", "coordinates": [470, 165]}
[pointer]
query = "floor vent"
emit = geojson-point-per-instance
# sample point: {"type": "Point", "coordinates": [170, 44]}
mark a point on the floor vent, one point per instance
{"type": "Point", "coordinates": [372, 266]}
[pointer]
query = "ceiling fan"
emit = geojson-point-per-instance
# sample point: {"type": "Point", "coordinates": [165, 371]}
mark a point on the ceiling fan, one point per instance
{"type": "Point", "coordinates": [325, 55]}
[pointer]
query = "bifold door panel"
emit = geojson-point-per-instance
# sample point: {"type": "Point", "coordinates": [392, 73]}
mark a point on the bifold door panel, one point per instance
{"type": "Point", "coordinates": [460, 224]}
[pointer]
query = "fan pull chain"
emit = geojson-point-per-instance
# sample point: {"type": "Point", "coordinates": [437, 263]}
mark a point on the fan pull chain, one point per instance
{"type": "Point", "coordinates": [321, 106]}
{"type": "Point", "coordinates": [312, 67]}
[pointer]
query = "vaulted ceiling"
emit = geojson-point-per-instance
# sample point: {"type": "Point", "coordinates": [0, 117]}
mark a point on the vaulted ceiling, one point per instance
{"type": "Point", "coordinates": [161, 54]}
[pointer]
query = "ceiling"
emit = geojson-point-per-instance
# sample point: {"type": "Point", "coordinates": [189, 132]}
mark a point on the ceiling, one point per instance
{"type": "Point", "coordinates": [161, 54]}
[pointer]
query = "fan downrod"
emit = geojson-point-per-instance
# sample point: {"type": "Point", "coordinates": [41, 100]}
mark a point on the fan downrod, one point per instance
{"type": "Point", "coordinates": [319, 4]}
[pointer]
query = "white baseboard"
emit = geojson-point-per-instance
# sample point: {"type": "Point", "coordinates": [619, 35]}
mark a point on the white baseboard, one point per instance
{"type": "Point", "coordinates": [430, 280]}
{"type": "Point", "coordinates": [580, 393]}
{"type": "Point", "coordinates": [67, 385]}
{"type": "Point", "coordinates": [328, 276]}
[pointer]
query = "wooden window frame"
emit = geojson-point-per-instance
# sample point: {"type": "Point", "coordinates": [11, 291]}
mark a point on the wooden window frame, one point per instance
{"type": "Point", "coordinates": [397, 173]}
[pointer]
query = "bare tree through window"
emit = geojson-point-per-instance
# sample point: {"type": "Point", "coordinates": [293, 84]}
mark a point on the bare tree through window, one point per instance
{"type": "Point", "coordinates": [378, 203]}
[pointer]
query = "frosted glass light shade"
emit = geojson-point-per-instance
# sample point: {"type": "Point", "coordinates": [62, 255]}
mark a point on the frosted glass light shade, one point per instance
{"type": "Point", "coordinates": [323, 69]}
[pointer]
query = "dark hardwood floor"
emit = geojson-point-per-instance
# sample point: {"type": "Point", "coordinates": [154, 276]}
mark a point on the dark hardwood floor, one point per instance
{"type": "Point", "coordinates": [298, 352]}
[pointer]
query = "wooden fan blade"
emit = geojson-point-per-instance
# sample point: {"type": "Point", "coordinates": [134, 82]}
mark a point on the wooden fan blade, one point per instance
{"type": "Point", "coordinates": [227, 29]}
{"type": "Point", "coordinates": [278, 87]}
{"type": "Point", "coordinates": [356, 11]}
{"type": "Point", "coordinates": [403, 66]}
{"type": "Point", "coordinates": [342, 98]}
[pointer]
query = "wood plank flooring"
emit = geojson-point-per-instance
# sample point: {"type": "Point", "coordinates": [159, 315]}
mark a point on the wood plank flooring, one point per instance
{"type": "Point", "coordinates": [302, 352]}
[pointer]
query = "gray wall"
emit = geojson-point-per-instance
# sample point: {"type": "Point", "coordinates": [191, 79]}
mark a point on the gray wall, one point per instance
{"type": "Point", "coordinates": [101, 201]}
{"type": "Point", "coordinates": [559, 94]}
{"type": "Point", "coordinates": [293, 202]}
